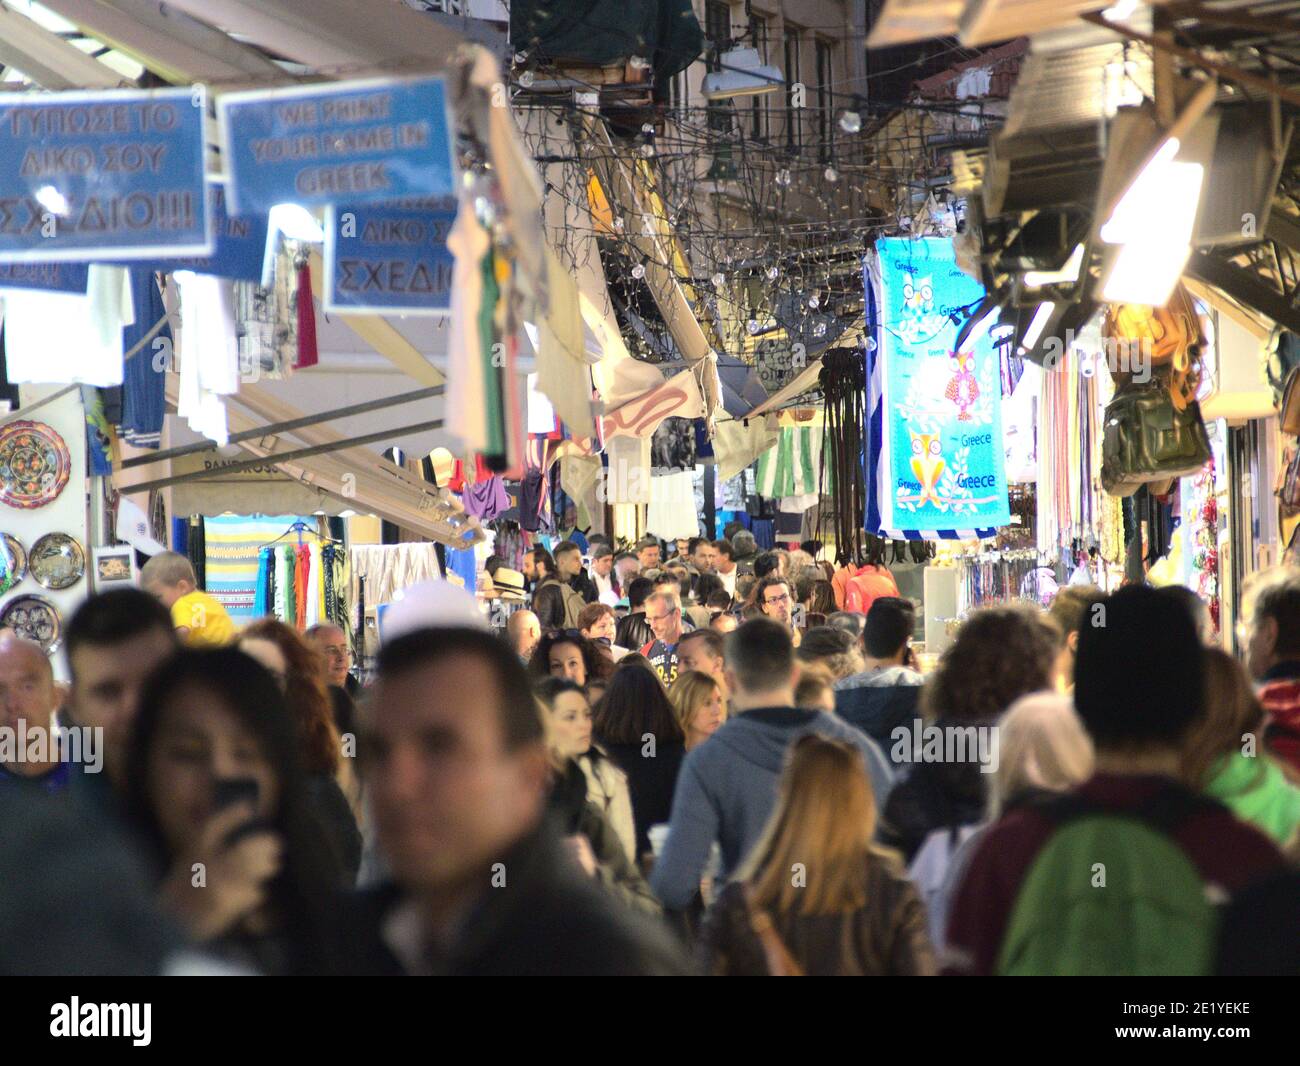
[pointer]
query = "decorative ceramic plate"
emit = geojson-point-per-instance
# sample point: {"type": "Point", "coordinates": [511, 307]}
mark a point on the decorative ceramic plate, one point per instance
{"type": "Point", "coordinates": [34, 618]}
{"type": "Point", "coordinates": [57, 561]}
{"type": "Point", "coordinates": [13, 559]}
{"type": "Point", "coordinates": [34, 464]}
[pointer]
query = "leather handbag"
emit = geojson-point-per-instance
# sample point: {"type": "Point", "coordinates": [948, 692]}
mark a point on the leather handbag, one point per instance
{"type": "Point", "coordinates": [1288, 415]}
{"type": "Point", "coordinates": [1287, 488]}
{"type": "Point", "coordinates": [1146, 438]}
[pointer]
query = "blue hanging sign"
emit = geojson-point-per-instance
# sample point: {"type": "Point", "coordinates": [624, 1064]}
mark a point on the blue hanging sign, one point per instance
{"type": "Point", "coordinates": [355, 142]}
{"type": "Point", "coordinates": [943, 460]}
{"type": "Point", "coordinates": [96, 175]}
{"type": "Point", "coordinates": [389, 258]}
{"type": "Point", "coordinates": [56, 277]}
{"type": "Point", "coordinates": [238, 244]}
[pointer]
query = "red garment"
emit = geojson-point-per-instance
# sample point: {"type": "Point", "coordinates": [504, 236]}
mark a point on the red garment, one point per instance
{"type": "Point", "coordinates": [1281, 700]}
{"type": "Point", "coordinates": [871, 583]}
{"type": "Point", "coordinates": [307, 354]}
{"type": "Point", "coordinates": [301, 574]}
{"type": "Point", "coordinates": [1226, 852]}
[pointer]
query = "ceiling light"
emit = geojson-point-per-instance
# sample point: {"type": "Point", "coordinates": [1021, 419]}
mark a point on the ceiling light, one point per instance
{"type": "Point", "coordinates": [1036, 279]}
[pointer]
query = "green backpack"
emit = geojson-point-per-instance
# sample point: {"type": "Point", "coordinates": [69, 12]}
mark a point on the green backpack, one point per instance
{"type": "Point", "coordinates": [1152, 917]}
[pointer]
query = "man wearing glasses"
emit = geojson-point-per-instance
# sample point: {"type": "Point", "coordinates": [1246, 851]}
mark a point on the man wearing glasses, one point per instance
{"type": "Point", "coordinates": [775, 600]}
{"type": "Point", "coordinates": [663, 610]}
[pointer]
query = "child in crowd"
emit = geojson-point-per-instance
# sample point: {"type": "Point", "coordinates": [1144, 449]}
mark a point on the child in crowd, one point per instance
{"type": "Point", "coordinates": [199, 618]}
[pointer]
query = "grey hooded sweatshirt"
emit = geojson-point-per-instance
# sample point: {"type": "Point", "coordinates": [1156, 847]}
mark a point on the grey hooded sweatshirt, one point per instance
{"type": "Point", "coordinates": [727, 789]}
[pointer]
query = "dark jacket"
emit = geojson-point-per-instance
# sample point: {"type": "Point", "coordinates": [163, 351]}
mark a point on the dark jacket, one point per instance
{"type": "Point", "coordinates": [552, 921]}
{"type": "Point", "coordinates": [651, 783]}
{"type": "Point", "coordinates": [334, 816]}
{"type": "Point", "coordinates": [877, 708]}
{"type": "Point", "coordinates": [885, 938]}
{"type": "Point", "coordinates": [345, 710]}
{"type": "Point", "coordinates": [584, 586]}
{"type": "Point", "coordinates": [633, 631]}
{"type": "Point", "coordinates": [572, 813]}
{"type": "Point", "coordinates": [933, 795]}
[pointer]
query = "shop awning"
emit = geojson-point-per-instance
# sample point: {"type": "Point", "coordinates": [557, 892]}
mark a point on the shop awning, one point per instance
{"type": "Point", "coordinates": [348, 473]}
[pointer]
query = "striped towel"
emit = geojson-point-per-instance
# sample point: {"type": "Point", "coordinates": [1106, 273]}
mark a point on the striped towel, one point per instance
{"type": "Point", "coordinates": [793, 466]}
{"type": "Point", "coordinates": [231, 543]}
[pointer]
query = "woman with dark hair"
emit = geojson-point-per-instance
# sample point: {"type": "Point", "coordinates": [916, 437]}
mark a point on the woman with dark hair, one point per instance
{"type": "Point", "coordinates": [636, 725]}
{"type": "Point", "coordinates": [216, 789]}
{"type": "Point", "coordinates": [999, 655]}
{"type": "Point", "coordinates": [568, 654]}
{"type": "Point", "coordinates": [331, 782]}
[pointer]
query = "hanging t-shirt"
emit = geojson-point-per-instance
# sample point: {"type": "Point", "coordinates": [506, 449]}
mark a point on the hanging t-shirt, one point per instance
{"type": "Point", "coordinates": [65, 338]}
{"type": "Point", "coordinates": [486, 499]}
{"type": "Point", "coordinates": [209, 353]}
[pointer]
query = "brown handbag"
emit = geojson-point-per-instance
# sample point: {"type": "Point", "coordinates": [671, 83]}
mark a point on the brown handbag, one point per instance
{"type": "Point", "coordinates": [1287, 488]}
{"type": "Point", "coordinates": [780, 963]}
{"type": "Point", "coordinates": [1288, 414]}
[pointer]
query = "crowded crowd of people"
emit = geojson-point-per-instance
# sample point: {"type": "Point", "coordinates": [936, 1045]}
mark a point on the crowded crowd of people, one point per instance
{"type": "Point", "coordinates": [675, 759]}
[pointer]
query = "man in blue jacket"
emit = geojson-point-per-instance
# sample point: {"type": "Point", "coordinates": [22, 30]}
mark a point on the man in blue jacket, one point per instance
{"type": "Point", "coordinates": [727, 786]}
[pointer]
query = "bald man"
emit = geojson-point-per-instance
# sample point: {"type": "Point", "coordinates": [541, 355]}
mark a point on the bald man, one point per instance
{"type": "Point", "coordinates": [524, 631]}
{"type": "Point", "coordinates": [30, 754]}
{"type": "Point", "coordinates": [332, 643]}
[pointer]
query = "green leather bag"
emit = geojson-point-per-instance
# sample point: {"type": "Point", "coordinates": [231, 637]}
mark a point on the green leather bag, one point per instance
{"type": "Point", "coordinates": [1146, 439]}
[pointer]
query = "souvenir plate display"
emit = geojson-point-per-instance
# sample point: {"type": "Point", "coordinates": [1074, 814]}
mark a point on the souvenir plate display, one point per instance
{"type": "Point", "coordinates": [57, 561]}
{"type": "Point", "coordinates": [34, 618]}
{"type": "Point", "coordinates": [34, 464]}
{"type": "Point", "coordinates": [13, 558]}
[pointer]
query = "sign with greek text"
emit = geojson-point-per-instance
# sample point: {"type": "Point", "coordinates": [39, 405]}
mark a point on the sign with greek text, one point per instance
{"type": "Point", "coordinates": [238, 243]}
{"type": "Point", "coordinates": [942, 439]}
{"type": "Point", "coordinates": [56, 277]}
{"type": "Point", "coordinates": [100, 175]}
{"type": "Point", "coordinates": [389, 258]}
{"type": "Point", "coordinates": [354, 142]}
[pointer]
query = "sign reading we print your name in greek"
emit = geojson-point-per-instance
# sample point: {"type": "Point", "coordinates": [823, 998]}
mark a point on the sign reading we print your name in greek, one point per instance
{"type": "Point", "coordinates": [358, 142]}
{"type": "Point", "coordinates": [96, 175]}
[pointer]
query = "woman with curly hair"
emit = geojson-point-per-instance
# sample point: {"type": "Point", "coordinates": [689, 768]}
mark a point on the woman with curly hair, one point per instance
{"type": "Point", "coordinates": [299, 671]}
{"type": "Point", "coordinates": [1000, 654]}
{"type": "Point", "coordinates": [568, 654]}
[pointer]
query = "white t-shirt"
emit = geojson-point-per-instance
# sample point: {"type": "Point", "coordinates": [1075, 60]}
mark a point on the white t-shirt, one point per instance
{"type": "Point", "coordinates": [66, 337]}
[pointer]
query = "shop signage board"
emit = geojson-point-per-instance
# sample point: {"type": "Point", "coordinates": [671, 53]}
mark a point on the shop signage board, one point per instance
{"type": "Point", "coordinates": [56, 277]}
{"type": "Point", "coordinates": [353, 142]}
{"type": "Point", "coordinates": [389, 258]}
{"type": "Point", "coordinates": [942, 459]}
{"type": "Point", "coordinates": [102, 175]}
{"type": "Point", "coordinates": [238, 243]}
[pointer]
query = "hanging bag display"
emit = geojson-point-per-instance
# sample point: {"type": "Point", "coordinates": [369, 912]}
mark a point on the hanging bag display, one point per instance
{"type": "Point", "coordinates": [1157, 339]}
{"type": "Point", "coordinates": [1147, 438]}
